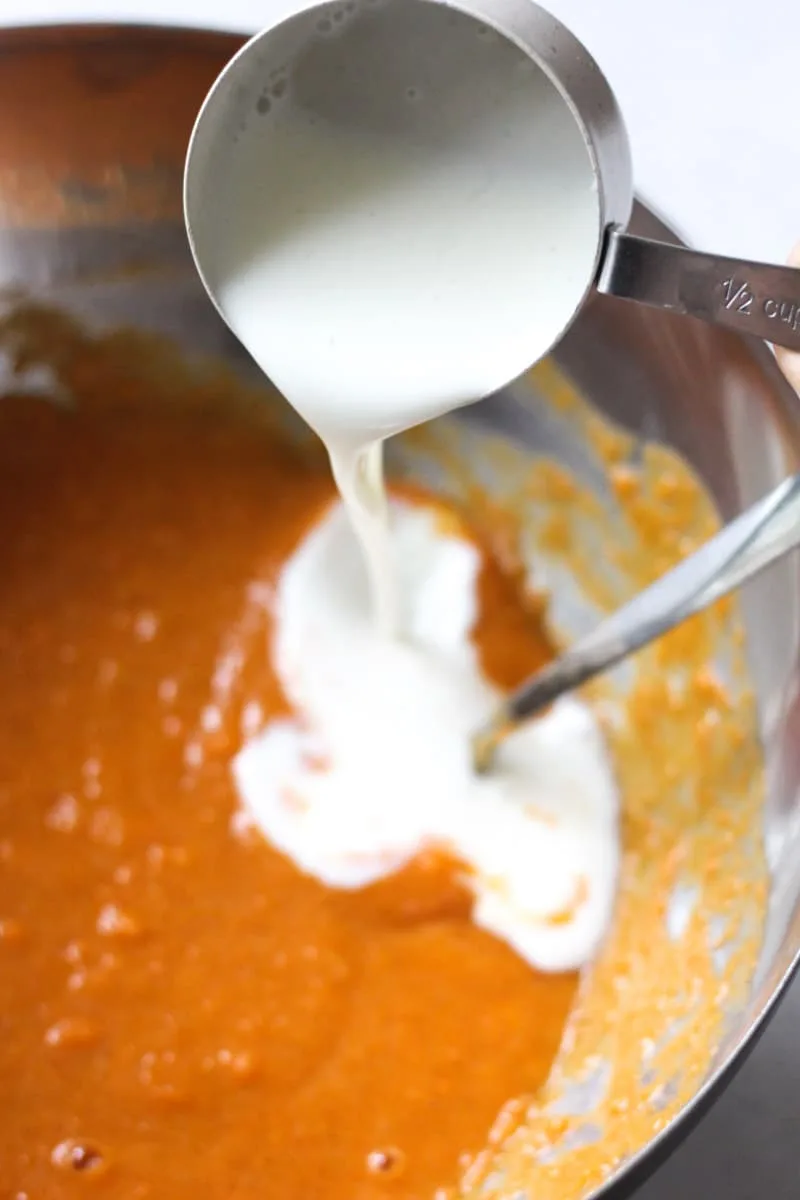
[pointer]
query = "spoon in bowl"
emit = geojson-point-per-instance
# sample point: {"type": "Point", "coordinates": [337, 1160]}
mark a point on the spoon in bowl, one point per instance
{"type": "Point", "coordinates": [749, 544]}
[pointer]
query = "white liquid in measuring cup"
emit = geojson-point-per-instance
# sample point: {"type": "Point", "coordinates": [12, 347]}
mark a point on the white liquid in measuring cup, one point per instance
{"type": "Point", "coordinates": [402, 226]}
{"type": "Point", "coordinates": [404, 222]}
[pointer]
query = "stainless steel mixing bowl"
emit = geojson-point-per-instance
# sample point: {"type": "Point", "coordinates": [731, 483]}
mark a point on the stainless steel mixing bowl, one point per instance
{"type": "Point", "coordinates": [94, 123]}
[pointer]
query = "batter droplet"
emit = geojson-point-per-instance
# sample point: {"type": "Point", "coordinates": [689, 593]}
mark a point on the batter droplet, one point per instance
{"type": "Point", "coordinates": [75, 1155]}
{"type": "Point", "coordinates": [388, 1163]}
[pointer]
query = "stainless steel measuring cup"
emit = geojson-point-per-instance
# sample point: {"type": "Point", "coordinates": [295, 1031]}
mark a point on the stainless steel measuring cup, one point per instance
{"type": "Point", "coordinates": [749, 297]}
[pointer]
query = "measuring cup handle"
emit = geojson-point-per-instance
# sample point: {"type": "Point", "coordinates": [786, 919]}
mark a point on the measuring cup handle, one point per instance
{"type": "Point", "coordinates": [749, 297]}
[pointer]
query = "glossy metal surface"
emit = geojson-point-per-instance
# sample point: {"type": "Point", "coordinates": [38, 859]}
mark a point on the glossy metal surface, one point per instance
{"type": "Point", "coordinates": [739, 552]}
{"type": "Point", "coordinates": [759, 299]}
{"type": "Point", "coordinates": [93, 129]}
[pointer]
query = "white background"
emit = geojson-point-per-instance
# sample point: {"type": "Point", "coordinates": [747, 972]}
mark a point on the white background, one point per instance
{"type": "Point", "coordinates": [710, 90]}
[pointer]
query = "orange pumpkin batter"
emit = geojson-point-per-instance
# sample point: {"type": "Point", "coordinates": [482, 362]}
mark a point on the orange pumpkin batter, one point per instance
{"type": "Point", "coordinates": [182, 1013]}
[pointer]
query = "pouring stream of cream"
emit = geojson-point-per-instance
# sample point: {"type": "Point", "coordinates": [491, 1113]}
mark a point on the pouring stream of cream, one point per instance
{"type": "Point", "coordinates": [404, 222]}
{"type": "Point", "coordinates": [404, 227]}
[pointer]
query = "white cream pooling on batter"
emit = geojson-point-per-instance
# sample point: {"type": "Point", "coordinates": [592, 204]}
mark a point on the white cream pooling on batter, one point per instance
{"type": "Point", "coordinates": [375, 767]}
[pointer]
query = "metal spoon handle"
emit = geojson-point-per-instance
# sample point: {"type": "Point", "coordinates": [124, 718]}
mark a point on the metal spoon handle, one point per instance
{"type": "Point", "coordinates": [749, 297]}
{"type": "Point", "coordinates": [746, 546]}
